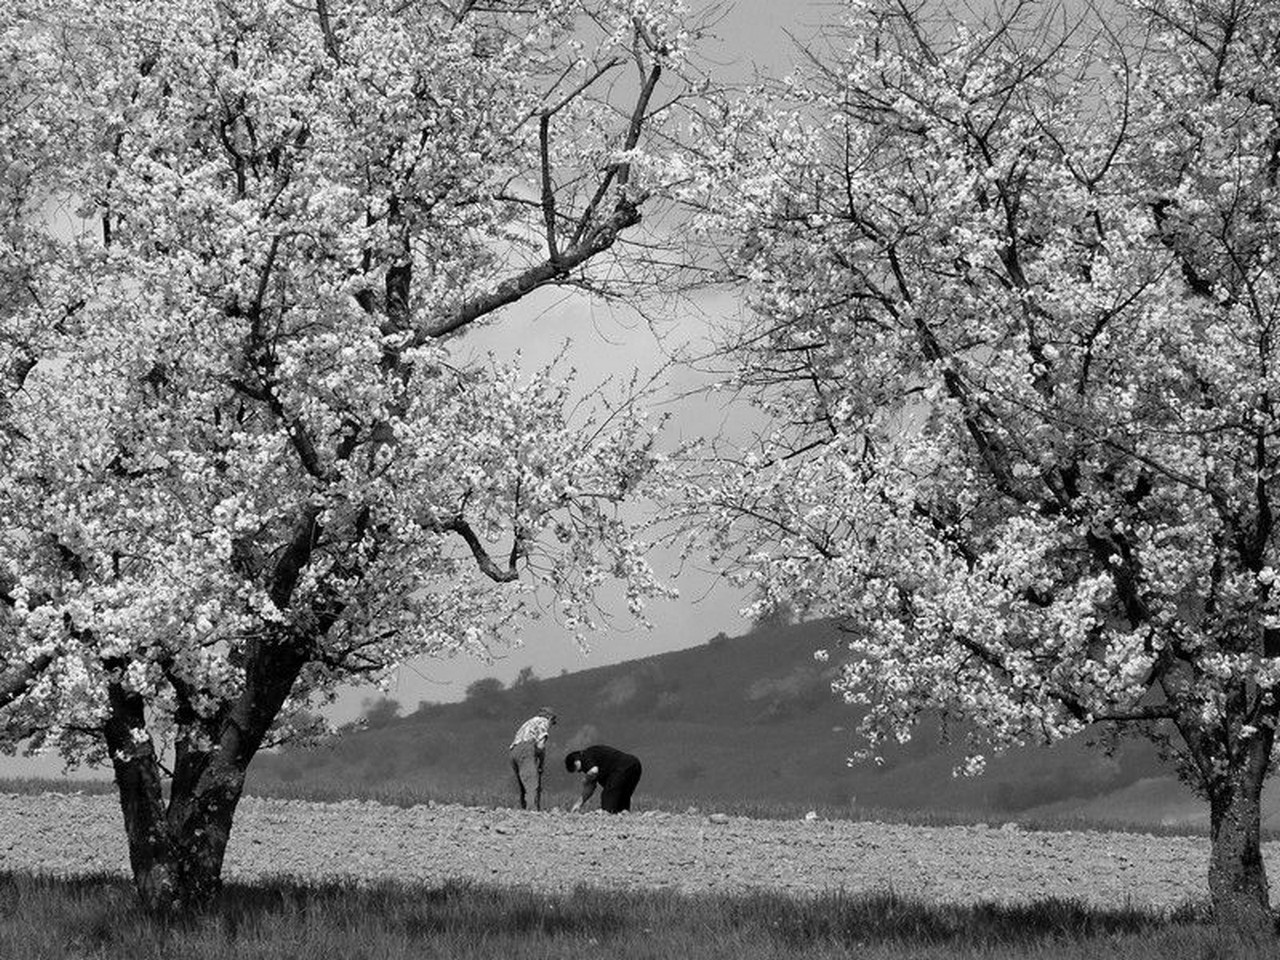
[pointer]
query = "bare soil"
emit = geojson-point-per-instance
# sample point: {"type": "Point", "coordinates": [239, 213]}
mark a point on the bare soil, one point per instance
{"type": "Point", "coordinates": [70, 834]}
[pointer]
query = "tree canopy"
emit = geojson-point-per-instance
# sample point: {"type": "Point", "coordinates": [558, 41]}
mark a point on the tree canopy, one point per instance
{"type": "Point", "coordinates": [1013, 317]}
{"type": "Point", "coordinates": [241, 462]}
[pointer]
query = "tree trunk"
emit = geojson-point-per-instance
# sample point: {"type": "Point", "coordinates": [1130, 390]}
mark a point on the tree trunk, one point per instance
{"type": "Point", "coordinates": [176, 852]}
{"type": "Point", "coordinates": [1237, 876]}
{"type": "Point", "coordinates": [176, 849]}
{"type": "Point", "coordinates": [183, 873]}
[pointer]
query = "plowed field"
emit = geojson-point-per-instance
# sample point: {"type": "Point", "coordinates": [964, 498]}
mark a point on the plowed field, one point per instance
{"type": "Point", "coordinates": [73, 834]}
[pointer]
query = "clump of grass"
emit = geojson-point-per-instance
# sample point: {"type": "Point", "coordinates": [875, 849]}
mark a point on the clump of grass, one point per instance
{"type": "Point", "coordinates": [97, 918]}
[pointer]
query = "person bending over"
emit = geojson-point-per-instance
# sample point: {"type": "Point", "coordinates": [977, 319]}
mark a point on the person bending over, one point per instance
{"type": "Point", "coordinates": [616, 772]}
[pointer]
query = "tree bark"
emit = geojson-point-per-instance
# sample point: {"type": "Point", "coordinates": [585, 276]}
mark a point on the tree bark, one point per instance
{"type": "Point", "coordinates": [176, 861]}
{"type": "Point", "coordinates": [176, 850]}
{"type": "Point", "coordinates": [1237, 876]}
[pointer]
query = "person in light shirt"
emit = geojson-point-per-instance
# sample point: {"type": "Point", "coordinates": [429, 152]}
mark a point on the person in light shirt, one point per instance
{"type": "Point", "coordinates": [529, 752]}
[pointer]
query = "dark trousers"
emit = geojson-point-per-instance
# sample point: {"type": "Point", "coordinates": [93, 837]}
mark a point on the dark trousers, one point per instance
{"type": "Point", "coordinates": [526, 763]}
{"type": "Point", "coordinates": [618, 789]}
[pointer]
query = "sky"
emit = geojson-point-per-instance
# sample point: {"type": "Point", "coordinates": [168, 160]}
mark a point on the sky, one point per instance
{"type": "Point", "coordinates": [749, 37]}
{"type": "Point", "coordinates": [605, 341]}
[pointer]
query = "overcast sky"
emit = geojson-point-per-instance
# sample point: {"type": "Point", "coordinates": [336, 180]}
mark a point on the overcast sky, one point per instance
{"type": "Point", "coordinates": [752, 35]}
{"type": "Point", "coordinates": [605, 341]}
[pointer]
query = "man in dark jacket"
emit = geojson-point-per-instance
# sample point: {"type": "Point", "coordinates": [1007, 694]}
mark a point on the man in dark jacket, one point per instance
{"type": "Point", "coordinates": [616, 772]}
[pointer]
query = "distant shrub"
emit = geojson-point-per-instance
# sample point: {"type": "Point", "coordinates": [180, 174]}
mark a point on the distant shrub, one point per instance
{"type": "Point", "coordinates": [484, 697]}
{"type": "Point", "coordinates": [526, 690]}
{"type": "Point", "coordinates": [483, 688]}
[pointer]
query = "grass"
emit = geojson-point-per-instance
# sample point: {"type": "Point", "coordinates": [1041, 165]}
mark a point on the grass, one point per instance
{"type": "Point", "coordinates": [404, 795]}
{"type": "Point", "coordinates": [96, 918]}
{"type": "Point", "coordinates": [33, 786]}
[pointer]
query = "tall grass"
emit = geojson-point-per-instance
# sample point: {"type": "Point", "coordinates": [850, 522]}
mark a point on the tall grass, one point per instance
{"type": "Point", "coordinates": [97, 919]}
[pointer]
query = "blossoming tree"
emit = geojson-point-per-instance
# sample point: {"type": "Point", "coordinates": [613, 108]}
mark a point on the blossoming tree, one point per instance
{"type": "Point", "coordinates": [239, 461]}
{"type": "Point", "coordinates": [1014, 321]}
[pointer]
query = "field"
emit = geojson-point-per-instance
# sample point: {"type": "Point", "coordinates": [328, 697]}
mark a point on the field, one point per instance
{"type": "Point", "coordinates": [365, 880]}
{"type": "Point", "coordinates": [687, 853]}
{"type": "Point", "coordinates": [399, 841]}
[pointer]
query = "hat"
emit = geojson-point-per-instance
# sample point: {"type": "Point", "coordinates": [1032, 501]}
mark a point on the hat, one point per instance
{"type": "Point", "coordinates": [548, 713]}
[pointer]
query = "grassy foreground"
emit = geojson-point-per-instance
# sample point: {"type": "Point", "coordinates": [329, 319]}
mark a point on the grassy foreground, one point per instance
{"type": "Point", "coordinates": [95, 918]}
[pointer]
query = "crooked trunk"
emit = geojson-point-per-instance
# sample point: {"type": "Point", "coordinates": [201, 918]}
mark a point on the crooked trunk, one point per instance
{"type": "Point", "coordinates": [1237, 877]}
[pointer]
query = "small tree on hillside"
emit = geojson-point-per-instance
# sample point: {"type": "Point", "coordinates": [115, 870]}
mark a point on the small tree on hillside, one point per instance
{"type": "Point", "coordinates": [526, 690]}
{"type": "Point", "coordinates": [484, 697]}
{"type": "Point", "coordinates": [240, 461]}
{"type": "Point", "coordinates": [1016, 317]}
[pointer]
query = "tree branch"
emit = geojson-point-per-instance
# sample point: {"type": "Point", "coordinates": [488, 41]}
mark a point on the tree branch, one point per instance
{"type": "Point", "coordinates": [486, 563]}
{"type": "Point", "coordinates": [626, 214]}
{"type": "Point", "coordinates": [548, 188]}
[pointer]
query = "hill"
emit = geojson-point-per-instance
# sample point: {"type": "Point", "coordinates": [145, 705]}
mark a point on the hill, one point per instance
{"type": "Point", "coordinates": [748, 720]}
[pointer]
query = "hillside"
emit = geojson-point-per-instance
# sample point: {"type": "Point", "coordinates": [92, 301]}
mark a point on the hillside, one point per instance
{"type": "Point", "coordinates": [749, 719]}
